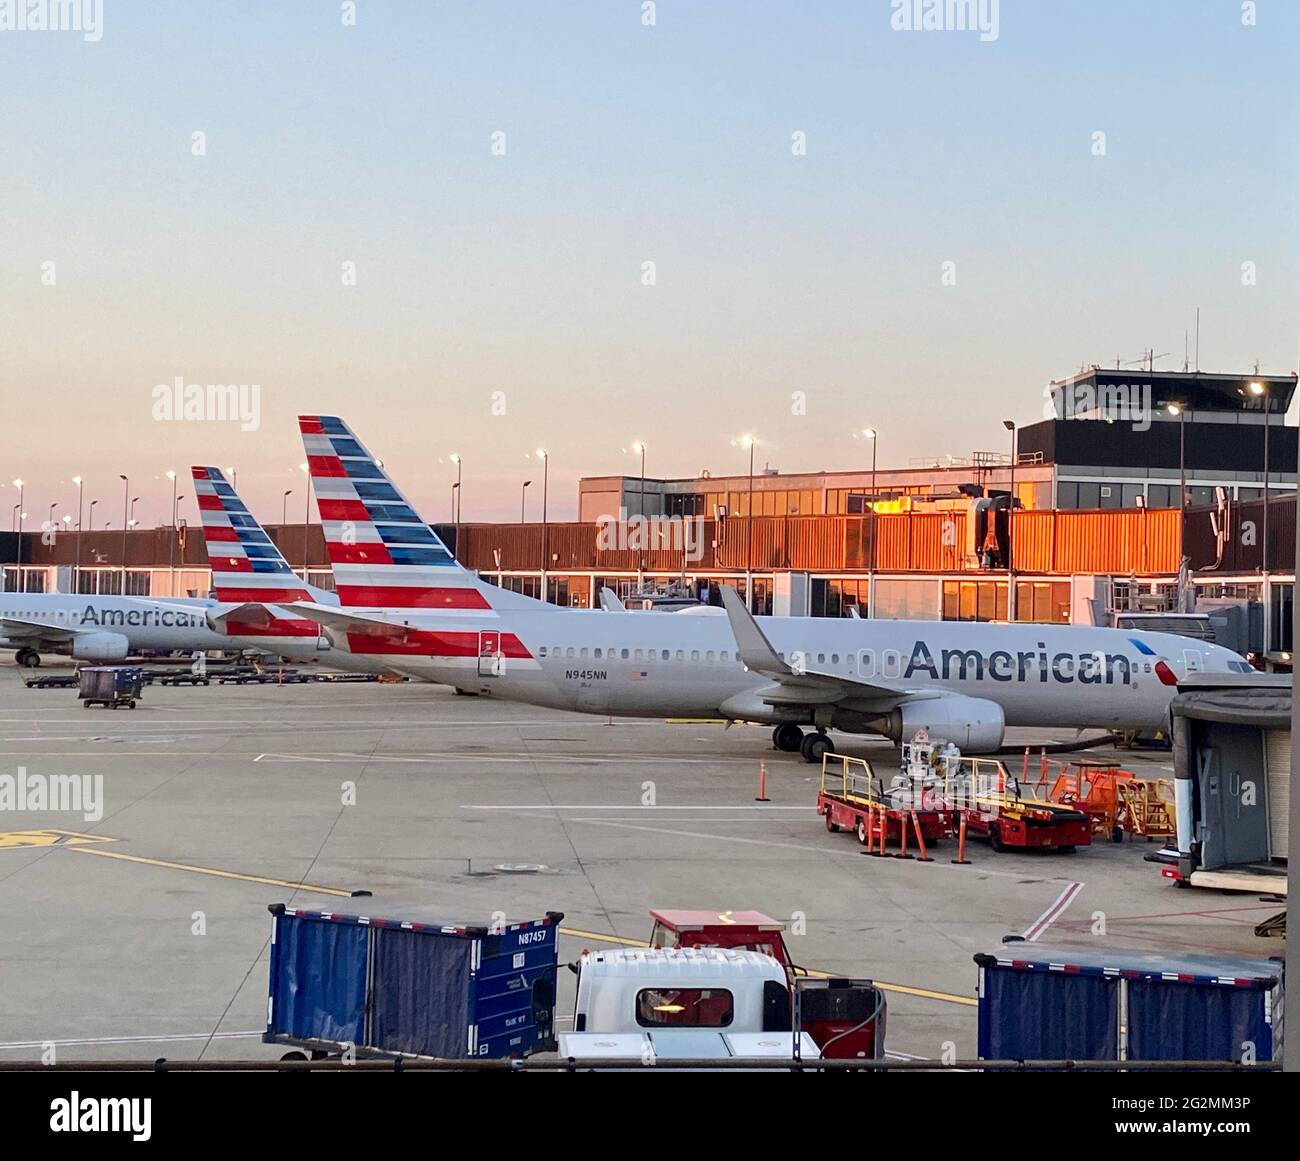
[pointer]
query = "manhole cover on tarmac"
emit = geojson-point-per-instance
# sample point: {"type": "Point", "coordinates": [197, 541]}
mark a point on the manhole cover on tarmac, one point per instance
{"type": "Point", "coordinates": [520, 868]}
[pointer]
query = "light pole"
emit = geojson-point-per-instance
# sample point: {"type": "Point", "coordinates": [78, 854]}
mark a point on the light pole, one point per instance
{"type": "Point", "coordinates": [19, 563]}
{"type": "Point", "coordinates": [455, 504]}
{"type": "Point", "coordinates": [90, 516]}
{"type": "Point", "coordinates": [76, 567]}
{"type": "Point", "coordinates": [748, 441]}
{"type": "Point", "coordinates": [546, 477]}
{"type": "Point", "coordinates": [1291, 1048]}
{"type": "Point", "coordinates": [455, 523]}
{"type": "Point", "coordinates": [306, 516]}
{"type": "Point", "coordinates": [234, 477]}
{"type": "Point", "coordinates": [1259, 390]}
{"type": "Point", "coordinates": [171, 539]}
{"type": "Point", "coordinates": [1010, 425]}
{"type": "Point", "coordinates": [523, 497]}
{"type": "Point", "coordinates": [1179, 410]}
{"type": "Point", "coordinates": [870, 433]}
{"type": "Point", "coordinates": [126, 493]}
{"type": "Point", "coordinates": [639, 446]}
{"type": "Point", "coordinates": [284, 509]}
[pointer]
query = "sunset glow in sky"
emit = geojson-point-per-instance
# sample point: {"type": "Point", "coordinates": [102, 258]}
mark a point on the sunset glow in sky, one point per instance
{"type": "Point", "coordinates": [500, 300]}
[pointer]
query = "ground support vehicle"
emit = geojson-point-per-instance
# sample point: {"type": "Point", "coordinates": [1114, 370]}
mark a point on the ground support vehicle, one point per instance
{"type": "Point", "coordinates": [413, 987]}
{"type": "Point", "coordinates": [983, 794]}
{"type": "Point", "coordinates": [1115, 800]}
{"type": "Point", "coordinates": [110, 685]}
{"type": "Point", "coordinates": [853, 797]}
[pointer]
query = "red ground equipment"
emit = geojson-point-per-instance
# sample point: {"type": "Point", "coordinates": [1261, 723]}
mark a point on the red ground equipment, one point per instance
{"type": "Point", "coordinates": [853, 797]}
{"type": "Point", "coordinates": [746, 929]}
{"type": "Point", "coordinates": [845, 1018]}
{"type": "Point", "coordinates": [994, 804]}
{"type": "Point", "coordinates": [1115, 800]}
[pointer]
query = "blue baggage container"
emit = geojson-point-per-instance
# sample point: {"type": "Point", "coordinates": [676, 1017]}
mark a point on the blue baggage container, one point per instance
{"type": "Point", "coordinates": [110, 685]}
{"type": "Point", "coordinates": [416, 987]}
{"type": "Point", "coordinates": [1038, 1003]}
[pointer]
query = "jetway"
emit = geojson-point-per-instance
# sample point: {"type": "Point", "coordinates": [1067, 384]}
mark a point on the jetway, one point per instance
{"type": "Point", "coordinates": [1232, 771]}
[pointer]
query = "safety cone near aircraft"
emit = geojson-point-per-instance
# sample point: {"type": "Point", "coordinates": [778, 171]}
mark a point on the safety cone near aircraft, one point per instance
{"type": "Point", "coordinates": [404, 599]}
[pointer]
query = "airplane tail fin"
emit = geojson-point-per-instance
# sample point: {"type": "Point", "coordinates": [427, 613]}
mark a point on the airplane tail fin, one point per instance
{"type": "Point", "coordinates": [383, 554]}
{"type": "Point", "coordinates": [246, 564]}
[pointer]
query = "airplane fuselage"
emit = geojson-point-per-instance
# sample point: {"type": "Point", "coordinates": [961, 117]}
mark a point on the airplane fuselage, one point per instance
{"type": "Point", "coordinates": [48, 619]}
{"type": "Point", "coordinates": [684, 665]}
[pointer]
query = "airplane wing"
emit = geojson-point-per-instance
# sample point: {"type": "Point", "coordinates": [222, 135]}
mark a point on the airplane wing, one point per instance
{"type": "Point", "coordinates": [796, 684]}
{"type": "Point", "coordinates": [344, 622]}
{"type": "Point", "coordinates": [249, 613]}
{"type": "Point", "coordinates": [20, 628]}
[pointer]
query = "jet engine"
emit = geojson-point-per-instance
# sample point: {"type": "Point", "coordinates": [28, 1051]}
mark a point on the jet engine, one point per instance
{"type": "Point", "coordinates": [100, 647]}
{"type": "Point", "coordinates": [974, 725]}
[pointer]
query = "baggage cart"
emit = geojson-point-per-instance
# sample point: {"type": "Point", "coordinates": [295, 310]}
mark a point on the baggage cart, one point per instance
{"type": "Point", "coordinates": [110, 685]}
{"type": "Point", "coordinates": [414, 987]}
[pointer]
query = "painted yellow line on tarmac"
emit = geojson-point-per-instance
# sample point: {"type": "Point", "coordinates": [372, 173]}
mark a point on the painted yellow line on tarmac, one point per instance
{"type": "Point", "coordinates": [26, 839]}
{"type": "Point", "coordinates": [901, 989]}
{"type": "Point", "coordinates": [213, 871]}
{"type": "Point", "coordinates": [596, 935]}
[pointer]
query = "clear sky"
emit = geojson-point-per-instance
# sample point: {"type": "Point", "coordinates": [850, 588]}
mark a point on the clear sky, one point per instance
{"type": "Point", "coordinates": [522, 274]}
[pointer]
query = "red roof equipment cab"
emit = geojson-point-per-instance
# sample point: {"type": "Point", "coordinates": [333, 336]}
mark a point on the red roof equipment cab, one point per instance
{"type": "Point", "coordinates": [744, 929]}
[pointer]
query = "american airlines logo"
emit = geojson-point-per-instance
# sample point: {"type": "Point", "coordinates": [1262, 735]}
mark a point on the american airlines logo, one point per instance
{"type": "Point", "coordinates": [1094, 668]}
{"type": "Point", "coordinates": [141, 618]}
{"type": "Point", "coordinates": [1065, 668]}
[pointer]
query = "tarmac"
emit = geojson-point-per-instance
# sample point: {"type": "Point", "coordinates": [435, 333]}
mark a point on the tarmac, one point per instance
{"type": "Point", "coordinates": [144, 933]}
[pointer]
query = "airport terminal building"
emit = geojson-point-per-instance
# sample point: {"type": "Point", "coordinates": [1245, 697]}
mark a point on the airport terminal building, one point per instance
{"type": "Point", "coordinates": [1096, 530]}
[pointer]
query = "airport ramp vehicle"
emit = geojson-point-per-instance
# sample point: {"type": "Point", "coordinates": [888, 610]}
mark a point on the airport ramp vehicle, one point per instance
{"type": "Point", "coordinates": [992, 803]}
{"type": "Point", "coordinates": [111, 686]}
{"type": "Point", "coordinates": [419, 986]}
{"type": "Point", "coordinates": [852, 796]}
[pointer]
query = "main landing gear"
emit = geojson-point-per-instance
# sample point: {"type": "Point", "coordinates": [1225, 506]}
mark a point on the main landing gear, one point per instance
{"type": "Point", "coordinates": [815, 746]}
{"type": "Point", "coordinates": [790, 739]}
{"type": "Point", "coordinates": [786, 738]}
{"type": "Point", "coordinates": [27, 658]}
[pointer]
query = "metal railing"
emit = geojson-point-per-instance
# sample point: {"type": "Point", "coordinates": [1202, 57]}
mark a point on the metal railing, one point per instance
{"type": "Point", "coordinates": [629, 1064]}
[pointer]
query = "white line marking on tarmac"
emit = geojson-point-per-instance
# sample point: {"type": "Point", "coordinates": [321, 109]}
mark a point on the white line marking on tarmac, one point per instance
{"type": "Point", "coordinates": [1053, 913]}
{"type": "Point", "coordinates": [519, 757]}
{"type": "Point", "coordinates": [630, 806]}
{"type": "Point", "coordinates": [729, 838]}
{"type": "Point", "coordinates": [163, 1039]}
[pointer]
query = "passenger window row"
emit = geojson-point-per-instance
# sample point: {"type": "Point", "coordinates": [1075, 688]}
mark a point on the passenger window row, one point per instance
{"type": "Point", "coordinates": [707, 656]}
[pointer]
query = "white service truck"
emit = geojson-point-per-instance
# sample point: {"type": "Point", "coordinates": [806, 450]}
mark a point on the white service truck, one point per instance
{"type": "Point", "coordinates": [692, 1003]}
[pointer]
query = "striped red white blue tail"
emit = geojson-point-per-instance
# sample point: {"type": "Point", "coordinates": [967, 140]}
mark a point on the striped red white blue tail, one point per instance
{"type": "Point", "coordinates": [246, 564]}
{"type": "Point", "coordinates": [382, 553]}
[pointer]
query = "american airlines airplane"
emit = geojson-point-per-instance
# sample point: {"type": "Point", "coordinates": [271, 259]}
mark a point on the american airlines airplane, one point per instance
{"type": "Point", "coordinates": [249, 573]}
{"type": "Point", "coordinates": [101, 628]}
{"type": "Point", "coordinates": [405, 601]}
{"type": "Point", "coordinates": [245, 565]}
